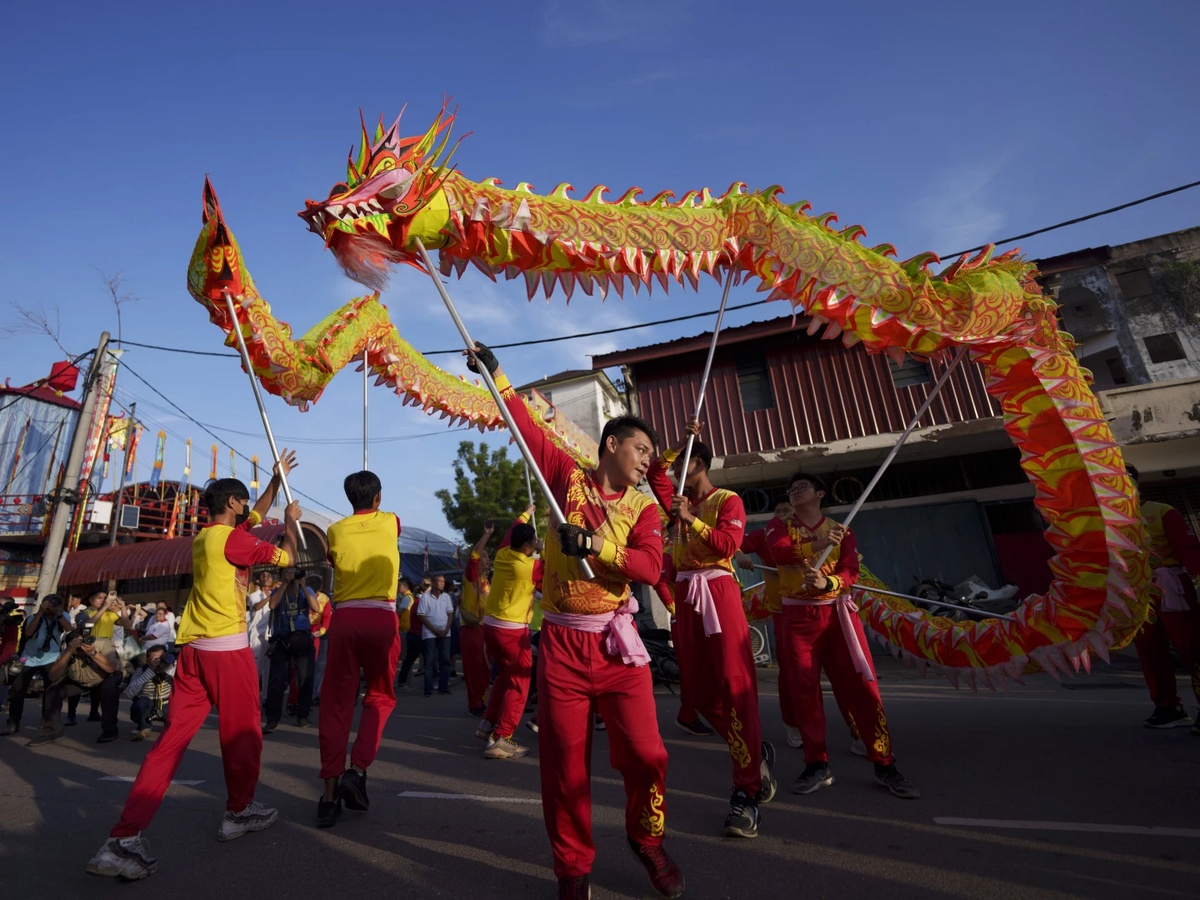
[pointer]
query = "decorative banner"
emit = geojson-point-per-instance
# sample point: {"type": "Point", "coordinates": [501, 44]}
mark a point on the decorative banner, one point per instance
{"type": "Point", "coordinates": [17, 456]}
{"type": "Point", "coordinates": [134, 437]}
{"type": "Point", "coordinates": [160, 450]}
{"type": "Point", "coordinates": [212, 476]}
{"type": "Point", "coordinates": [105, 381]}
{"type": "Point", "coordinates": [253, 480]}
{"type": "Point", "coordinates": [186, 481]}
{"type": "Point", "coordinates": [232, 463]}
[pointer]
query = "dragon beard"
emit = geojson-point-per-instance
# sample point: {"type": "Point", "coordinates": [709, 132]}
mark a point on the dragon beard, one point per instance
{"type": "Point", "coordinates": [365, 258]}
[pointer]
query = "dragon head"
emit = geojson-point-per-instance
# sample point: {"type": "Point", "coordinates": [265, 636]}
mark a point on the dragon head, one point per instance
{"type": "Point", "coordinates": [392, 194]}
{"type": "Point", "coordinates": [216, 266]}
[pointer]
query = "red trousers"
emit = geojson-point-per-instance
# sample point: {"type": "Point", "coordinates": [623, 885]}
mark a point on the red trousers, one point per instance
{"type": "Point", "coordinates": [785, 672]}
{"type": "Point", "coordinates": [718, 670]}
{"type": "Point", "coordinates": [576, 678]}
{"type": "Point", "coordinates": [687, 708]}
{"type": "Point", "coordinates": [513, 654]}
{"type": "Point", "coordinates": [228, 680]}
{"type": "Point", "coordinates": [1153, 643]}
{"type": "Point", "coordinates": [476, 668]}
{"type": "Point", "coordinates": [366, 640]}
{"type": "Point", "coordinates": [816, 641]}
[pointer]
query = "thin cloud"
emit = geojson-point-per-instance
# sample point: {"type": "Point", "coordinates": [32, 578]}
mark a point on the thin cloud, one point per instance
{"type": "Point", "coordinates": [962, 208]}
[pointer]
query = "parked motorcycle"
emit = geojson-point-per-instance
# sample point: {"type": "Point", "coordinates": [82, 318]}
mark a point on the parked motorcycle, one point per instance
{"type": "Point", "coordinates": [971, 598]}
{"type": "Point", "coordinates": [664, 668]}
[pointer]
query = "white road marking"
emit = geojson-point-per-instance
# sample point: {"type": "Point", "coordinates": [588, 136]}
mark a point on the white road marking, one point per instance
{"type": "Point", "coordinates": [1153, 830]}
{"type": "Point", "coordinates": [129, 779]}
{"type": "Point", "coordinates": [433, 795]}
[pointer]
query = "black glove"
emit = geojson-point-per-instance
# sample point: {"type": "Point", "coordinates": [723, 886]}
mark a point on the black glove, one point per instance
{"type": "Point", "coordinates": [575, 539]}
{"type": "Point", "coordinates": [486, 356]}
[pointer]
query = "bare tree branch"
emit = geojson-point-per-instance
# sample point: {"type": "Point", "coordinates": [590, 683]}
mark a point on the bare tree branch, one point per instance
{"type": "Point", "coordinates": [35, 320]}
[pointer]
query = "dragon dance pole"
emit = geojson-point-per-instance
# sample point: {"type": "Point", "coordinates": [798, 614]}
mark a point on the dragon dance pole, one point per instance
{"type": "Point", "coordinates": [262, 410]}
{"type": "Point", "coordinates": [929, 601]}
{"type": "Point", "coordinates": [366, 372]}
{"type": "Point", "coordinates": [862, 498]}
{"type": "Point", "coordinates": [555, 510]}
{"type": "Point", "coordinates": [712, 349]}
{"type": "Point", "coordinates": [529, 490]}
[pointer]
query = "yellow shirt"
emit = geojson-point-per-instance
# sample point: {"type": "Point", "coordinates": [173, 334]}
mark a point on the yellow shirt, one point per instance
{"type": "Point", "coordinates": [511, 597]}
{"type": "Point", "coordinates": [366, 556]}
{"type": "Point", "coordinates": [103, 623]}
{"type": "Point", "coordinates": [404, 608]}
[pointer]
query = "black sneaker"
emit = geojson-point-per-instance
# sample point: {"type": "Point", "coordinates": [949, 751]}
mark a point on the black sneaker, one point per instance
{"type": "Point", "coordinates": [328, 812]}
{"type": "Point", "coordinates": [814, 777]}
{"type": "Point", "coordinates": [696, 728]}
{"type": "Point", "coordinates": [665, 875]}
{"type": "Point", "coordinates": [889, 776]}
{"type": "Point", "coordinates": [270, 726]}
{"type": "Point", "coordinates": [743, 817]}
{"type": "Point", "coordinates": [477, 712]}
{"type": "Point", "coordinates": [291, 710]}
{"type": "Point", "coordinates": [93, 716]}
{"type": "Point", "coordinates": [107, 737]}
{"type": "Point", "coordinates": [769, 785]}
{"type": "Point", "coordinates": [353, 790]}
{"type": "Point", "coordinates": [574, 887]}
{"type": "Point", "coordinates": [71, 720]}
{"type": "Point", "coordinates": [1169, 717]}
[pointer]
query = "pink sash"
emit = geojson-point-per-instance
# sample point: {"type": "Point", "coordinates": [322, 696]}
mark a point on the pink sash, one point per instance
{"type": "Point", "coordinates": [700, 597]}
{"type": "Point", "coordinates": [620, 636]}
{"type": "Point", "coordinates": [846, 609]}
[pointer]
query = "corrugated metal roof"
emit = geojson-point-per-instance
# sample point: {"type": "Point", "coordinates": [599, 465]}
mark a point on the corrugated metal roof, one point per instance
{"type": "Point", "coordinates": [154, 559]}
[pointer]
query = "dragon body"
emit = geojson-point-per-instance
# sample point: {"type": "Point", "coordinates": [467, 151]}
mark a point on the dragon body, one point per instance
{"type": "Point", "coordinates": [399, 191]}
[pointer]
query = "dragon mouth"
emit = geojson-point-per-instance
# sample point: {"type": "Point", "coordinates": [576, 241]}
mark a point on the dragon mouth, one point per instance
{"type": "Point", "coordinates": [369, 209]}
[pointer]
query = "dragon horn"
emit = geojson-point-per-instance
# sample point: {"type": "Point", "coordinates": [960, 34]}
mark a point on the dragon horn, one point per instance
{"type": "Point", "coordinates": [211, 206]}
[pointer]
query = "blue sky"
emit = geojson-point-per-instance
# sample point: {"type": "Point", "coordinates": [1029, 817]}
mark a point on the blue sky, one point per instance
{"type": "Point", "coordinates": [937, 126]}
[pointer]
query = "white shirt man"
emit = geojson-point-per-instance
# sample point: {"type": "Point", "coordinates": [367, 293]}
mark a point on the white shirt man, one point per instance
{"type": "Point", "coordinates": [438, 609]}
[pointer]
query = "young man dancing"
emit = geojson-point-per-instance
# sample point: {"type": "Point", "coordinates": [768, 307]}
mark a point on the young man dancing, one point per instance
{"type": "Point", "coordinates": [713, 648]}
{"type": "Point", "coordinates": [591, 658]}
{"type": "Point", "coordinates": [364, 635]}
{"type": "Point", "coordinates": [823, 631]}
{"type": "Point", "coordinates": [215, 668]}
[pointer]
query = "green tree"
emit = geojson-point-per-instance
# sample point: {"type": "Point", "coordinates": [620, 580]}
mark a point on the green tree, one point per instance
{"type": "Point", "coordinates": [487, 485]}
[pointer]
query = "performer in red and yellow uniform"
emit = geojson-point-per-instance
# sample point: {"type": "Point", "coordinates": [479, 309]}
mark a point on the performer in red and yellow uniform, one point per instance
{"type": "Point", "coordinates": [215, 668]}
{"type": "Point", "coordinates": [475, 588]}
{"type": "Point", "coordinates": [713, 642]}
{"type": "Point", "coordinates": [1175, 618]}
{"type": "Point", "coordinates": [363, 635]}
{"type": "Point", "coordinates": [592, 661]}
{"type": "Point", "coordinates": [506, 630]}
{"type": "Point", "coordinates": [823, 631]}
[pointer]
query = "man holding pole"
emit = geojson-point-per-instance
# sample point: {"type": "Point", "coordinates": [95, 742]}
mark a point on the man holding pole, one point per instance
{"type": "Point", "coordinates": [215, 668]}
{"type": "Point", "coordinates": [364, 635]}
{"type": "Point", "coordinates": [592, 661]}
{"type": "Point", "coordinates": [818, 563]}
{"type": "Point", "coordinates": [714, 654]}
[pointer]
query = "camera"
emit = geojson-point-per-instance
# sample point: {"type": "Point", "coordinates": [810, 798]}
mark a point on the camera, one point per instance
{"type": "Point", "coordinates": [301, 575]}
{"type": "Point", "coordinates": [88, 637]}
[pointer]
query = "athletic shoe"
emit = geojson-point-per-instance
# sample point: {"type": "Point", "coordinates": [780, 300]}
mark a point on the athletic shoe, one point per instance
{"type": "Point", "coordinates": [353, 790]}
{"type": "Point", "coordinates": [814, 777]}
{"type": "Point", "coordinates": [484, 731]}
{"type": "Point", "coordinates": [290, 710]}
{"type": "Point", "coordinates": [477, 712]}
{"type": "Point", "coordinates": [127, 858]}
{"type": "Point", "coordinates": [665, 875]}
{"type": "Point", "coordinates": [532, 725]}
{"type": "Point", "coordinates": [328, 812]}
{"type": "Point", "coordinates": [255, 817]}
{"type": "Point", "coordinates": [406, 688]}
{"type": "Point", "coordinates": [303, 722]}
{"type": "Point", "coordinates": [93, 716]}
{"type": "Point", "coordinates": [504, 748]}
{"type": "Point", "coordinates": [889, 776]}
{"type": "Point", "coordinates": [857, 747]}
{"type": "Point", "coordinates": [696, 728]}
{"type": "Point", "coordinates": [10, 727]}
{"type": "Point", "coordinates": [743, 817]}
{"type": "Point", "coordinates": [1169, 717]}
{"type": "Point", "coordinates": [794, 738]}
{"type": "Point", "coordinates": [142, 734]}
{"type": "Point", "coordinates": [447, 691]}
{"type": "Point", "coordinates": [574, 887]}
{"type": "Point", "coordinates": [270, 726]}
{"type": "Point", "coordinates": [600, 726]}
{"type": "Point", "coordinates": [107, 736]}
{"type": "Point", "coordinates": [47, 737]}
{"type": "Point", "coordinates": [71, 720]}
{"type": "Point", "coordinates": [769, 785]}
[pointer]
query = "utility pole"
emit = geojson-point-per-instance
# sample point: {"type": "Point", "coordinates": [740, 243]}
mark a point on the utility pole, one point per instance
{"type": "Point", "coordinates": [116, 511]}
{"type": "Point", "coordinates": [68, 494]}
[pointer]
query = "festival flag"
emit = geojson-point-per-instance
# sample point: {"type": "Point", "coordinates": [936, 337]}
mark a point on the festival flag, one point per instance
{"type": "Point", "coordinates": [17, 457]}
{"type": "Point", "coordinates": [253, 480]}
{"type": "Point", "coordinates": [160, 451]}
{"type": "Point", "coordinates": [186, 481]}
{"type": "Point", "coordinates": [232, 463]}
{"type": "Point", "coordinates": [212, 476]}
{"type": "Point", "coordinates": [134, 436]}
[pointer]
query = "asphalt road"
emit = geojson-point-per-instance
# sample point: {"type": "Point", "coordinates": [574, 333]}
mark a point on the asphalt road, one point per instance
{"type": "Point", "coordinates": [1071, 797]}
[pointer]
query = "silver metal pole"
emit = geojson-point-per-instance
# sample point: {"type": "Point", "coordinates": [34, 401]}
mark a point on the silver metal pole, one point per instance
{"type": "Point", "coordinates": [862, 498]}
{"type": "Point", "coordinates": [262, 410]}
{"type": "Point", "coordinates": [366, 373]}
{"type": "Point", "coordinates": [928, 601]}
{"type": "Point", "coordinates": [712, 349]}
{"type": "Point", "coordinates": [529, 490]}
{"type": "Point", "coordinates": [555, 510]}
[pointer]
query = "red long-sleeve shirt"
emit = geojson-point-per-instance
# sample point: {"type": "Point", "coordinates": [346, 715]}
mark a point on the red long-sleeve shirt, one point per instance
{"type": "Point", "coordinates": [791, 546]}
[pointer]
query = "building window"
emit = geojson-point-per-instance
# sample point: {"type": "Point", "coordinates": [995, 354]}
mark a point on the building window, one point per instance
{"type": "Point", "coordinates": [1116, 370]}
{"type": "Point", "coordinates": [910, 373]}
{"type": "Point", "coordinates": [1135, 283]}
{"type": "Point", "coordinates": [1164, 347]}
{"type": "Point", "coordinates": [754, 384]}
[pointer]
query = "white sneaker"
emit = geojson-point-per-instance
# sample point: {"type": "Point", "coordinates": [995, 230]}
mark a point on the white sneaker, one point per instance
{"type": "Point", "coordinates": [857, 747]}
{"type": "Point", "coordinates": [794, 738]}
{"type": "Point", "coordinates": [255, 817]}
{"type": "Point", "coordinates": [126, 858]}
{"type": "Point", "coordinates": [484, 731]}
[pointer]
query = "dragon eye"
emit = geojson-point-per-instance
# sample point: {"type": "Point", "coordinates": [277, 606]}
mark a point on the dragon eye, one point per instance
{"type": "Point", "coordinates": [338, 189]}
{"type": "Point", "coordinates": [384, 165]}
